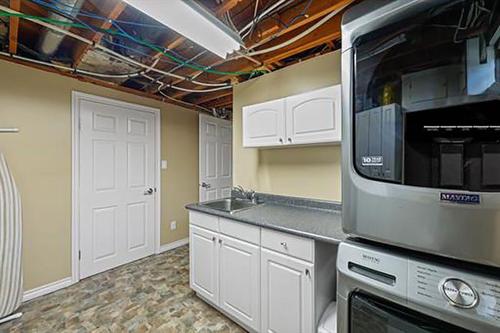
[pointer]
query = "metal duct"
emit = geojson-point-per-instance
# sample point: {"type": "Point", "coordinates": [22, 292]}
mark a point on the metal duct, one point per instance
{"type": "Point", "coordinates": [50, 40]}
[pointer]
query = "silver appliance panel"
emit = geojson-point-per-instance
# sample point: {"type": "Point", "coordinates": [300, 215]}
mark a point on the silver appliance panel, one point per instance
{"type": "Point", "coordinates": [469, 301]}
{"type": "Point", "coordinates": [402, 215]}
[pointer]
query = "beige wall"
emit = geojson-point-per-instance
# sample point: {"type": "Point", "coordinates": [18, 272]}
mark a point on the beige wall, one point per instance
{"type": "Point", "coordinates": [307, 171]}
{"type": "Point", "coordinates": [39, 103]}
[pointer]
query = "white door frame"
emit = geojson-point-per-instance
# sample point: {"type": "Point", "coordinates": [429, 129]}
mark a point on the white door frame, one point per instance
{"type": "Point", "coordinates": [76, 97]}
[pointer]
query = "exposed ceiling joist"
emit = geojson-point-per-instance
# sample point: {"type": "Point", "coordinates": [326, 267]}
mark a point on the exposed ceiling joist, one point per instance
{"type": "Point", "coordinates": [14, 27]}
{"type": "Point", "coordinates": [101, 83]}
{"type": "Point", "coordinates": [282, 36]}
{"type": "Point", "coordinates": [96, 37]}
{"type": "Point", "coordinates": [317, 10]}
{"type": "Point", "coordinates": [210, 97]}
{"type": "Point", "coordinates": [328, 32]}
{"type": "Point", "coordinates": [226, 101]}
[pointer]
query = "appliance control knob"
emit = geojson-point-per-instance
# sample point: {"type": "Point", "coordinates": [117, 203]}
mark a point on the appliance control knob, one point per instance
{"type": "Point", "coordinates": [459, 293]}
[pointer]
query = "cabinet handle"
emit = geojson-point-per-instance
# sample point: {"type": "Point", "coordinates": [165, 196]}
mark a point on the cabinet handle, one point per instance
{"type": "Point", "coordinates": [220, 241]}
{"type": "Point", "coordinates": [284, 245]}
{"type": "Point", "coordinates": [213, 239]}
{"type": "Point", "coordinates": [281, 140]}
{"type": "Point", "coordinates": [290, 140]}
{"type": "Point", "coordinates": [308, 273]}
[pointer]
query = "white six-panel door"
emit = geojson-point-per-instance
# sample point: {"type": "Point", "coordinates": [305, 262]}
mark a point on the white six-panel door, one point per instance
{"type": "Point", "coordinates": [117, 185]}
{"type": "Point", "coordinates": [216, 142]}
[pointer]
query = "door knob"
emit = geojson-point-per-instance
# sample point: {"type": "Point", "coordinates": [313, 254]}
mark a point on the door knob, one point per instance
{"type": "Point", "coordinates": [205, 185]}
{"type": "Point", "coordinates": [149, 191]}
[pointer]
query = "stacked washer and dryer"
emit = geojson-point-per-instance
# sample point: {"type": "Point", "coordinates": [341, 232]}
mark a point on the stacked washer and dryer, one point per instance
{"type": "Point", "coordinates": [421, 167]}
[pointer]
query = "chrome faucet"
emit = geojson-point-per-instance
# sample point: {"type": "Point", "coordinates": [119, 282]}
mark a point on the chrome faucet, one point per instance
{"type": "Point", "coordinates": [249, 195]}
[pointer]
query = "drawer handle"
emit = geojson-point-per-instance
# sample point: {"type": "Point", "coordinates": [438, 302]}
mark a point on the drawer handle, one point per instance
{"type": "Point", "coordinates": [284, 245]}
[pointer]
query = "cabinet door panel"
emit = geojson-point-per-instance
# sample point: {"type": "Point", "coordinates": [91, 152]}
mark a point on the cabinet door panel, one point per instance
{"type": "Point", "coordinates": [239, 270]}
{"type": "Point", "coordinates": [287, 294]}
{"type": "Point", "coordinates": [264, 124]}
{"type": "Point", "coordinates": [314, 117]}
{"type": "Point", "coordinates": [204, 263]}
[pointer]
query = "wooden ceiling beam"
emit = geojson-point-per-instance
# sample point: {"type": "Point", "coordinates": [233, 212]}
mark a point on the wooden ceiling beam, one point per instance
{"type": "Point", "coordinates": [322, 35]}
{"type": "Point", "coordinates": [101, 83]}
{"type": "Point", "coordinates": [220, 102]}
{"type": "Point", "coordinates": [319, 10]}
{"type": "Point", "coordinates": [115, 12]}
{"type": "Point", "coordinates": [14, 27]}
{"type": "Point", "coordinates": [327, 32]}
{"type": "Point", "coordinates": [210, 97]}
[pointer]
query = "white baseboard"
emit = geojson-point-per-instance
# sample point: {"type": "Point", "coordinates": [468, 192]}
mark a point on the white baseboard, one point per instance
{"type": "Point", "coordinates": [47, 289]}
{"type": "Point", "coordinates": [57, 285]}
{"type": "Point", "coordinates": [173, 245]}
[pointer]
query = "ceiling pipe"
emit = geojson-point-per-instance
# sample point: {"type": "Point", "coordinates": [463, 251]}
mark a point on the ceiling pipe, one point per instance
{"type": "Point", "coordinates": [50, 40]}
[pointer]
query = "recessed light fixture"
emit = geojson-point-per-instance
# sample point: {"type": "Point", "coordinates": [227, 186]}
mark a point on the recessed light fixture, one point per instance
{"type": "Point", "coordinates": [194, 22]}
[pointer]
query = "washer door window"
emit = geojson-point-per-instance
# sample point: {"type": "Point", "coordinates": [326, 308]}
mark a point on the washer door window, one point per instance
{"type": "Point", "coordinates": [373, 315]}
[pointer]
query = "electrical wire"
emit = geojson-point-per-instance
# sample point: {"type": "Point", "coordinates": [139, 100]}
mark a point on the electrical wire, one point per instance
{"type": "Point", "coordinates": [44, 22]}
{"type": "Point", "coordinates": [275, 6]}
{"type": "Point", "coordinates": [102, 75]}
{"type": "Point", "coordinates": [105, 19]}
{"type": "Point", "coordinates": [145, 43]}
{"type": "Point", "coordinates": [261, 15]}
{"type": "Point", "coordinates": [296, 38]}
{"type": "Point", "coordinates": [159, 90]}
{"type": "Point", "coordinates": [71, 69]}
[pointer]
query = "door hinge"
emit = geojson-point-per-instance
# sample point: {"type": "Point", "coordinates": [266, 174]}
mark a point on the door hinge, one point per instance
{"type": "Point", "coordinates": [79, 255]}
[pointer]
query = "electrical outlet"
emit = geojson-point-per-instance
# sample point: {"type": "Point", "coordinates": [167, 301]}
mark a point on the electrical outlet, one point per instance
{"type": "Point", "coordinates": [173, 225]}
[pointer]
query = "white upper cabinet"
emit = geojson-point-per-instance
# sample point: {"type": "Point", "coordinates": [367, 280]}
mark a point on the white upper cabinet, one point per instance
{"type": "Point", "coordinates": [314, 117]}
{"type": "Point", "coordinates": [309, 118]}
{"type": "Point", "coordinates": [264, 124]}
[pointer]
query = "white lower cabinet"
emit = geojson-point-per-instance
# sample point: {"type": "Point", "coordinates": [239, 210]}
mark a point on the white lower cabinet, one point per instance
{"type": "Point", "coordinates": [265, 280]}
{"type": "Point", "coordinates": [203, 255]}
{"type": "Point", "coordinates": [239, 277]}
{"type": "Point", "coordinates": [287, 294]}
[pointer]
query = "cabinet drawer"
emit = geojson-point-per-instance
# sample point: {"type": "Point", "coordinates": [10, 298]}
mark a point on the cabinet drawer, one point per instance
{"type": "Point", "coordinates": [206, 221]}
{"type": "Point", "coordinates": [243, 231]}
{"type": "Point", "coordinates": [302, 248]}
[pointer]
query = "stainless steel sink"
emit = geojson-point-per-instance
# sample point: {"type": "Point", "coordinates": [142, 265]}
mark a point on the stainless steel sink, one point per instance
{"type": "Point", "coordinates": [230, 205]}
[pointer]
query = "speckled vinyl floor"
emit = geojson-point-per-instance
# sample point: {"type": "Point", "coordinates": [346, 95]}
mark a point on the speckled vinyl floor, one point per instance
{"type": "Point", "coordinates": [149, 295]}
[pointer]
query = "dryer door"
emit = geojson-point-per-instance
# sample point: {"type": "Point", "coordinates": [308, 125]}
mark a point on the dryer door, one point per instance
{"type": "Point", "coordinates": [370, 314]}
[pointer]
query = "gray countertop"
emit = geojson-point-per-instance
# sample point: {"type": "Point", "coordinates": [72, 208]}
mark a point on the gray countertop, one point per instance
{"type": "Point", "coordinates": [312, 222]}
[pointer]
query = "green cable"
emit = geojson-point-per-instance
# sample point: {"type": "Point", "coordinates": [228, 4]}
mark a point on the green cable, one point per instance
{"type": "Point", "coordinates": [152, 46]}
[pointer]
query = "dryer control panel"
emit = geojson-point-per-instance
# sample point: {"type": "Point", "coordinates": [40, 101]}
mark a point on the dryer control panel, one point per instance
{"type": "Point", "coordinates": [456, 291]}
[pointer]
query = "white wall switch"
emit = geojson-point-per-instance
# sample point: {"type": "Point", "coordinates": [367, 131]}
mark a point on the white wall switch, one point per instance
{"type": "Point", "coordinates": [173, 225]}
{"type": "Point", "coordinates": [164, 164]}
